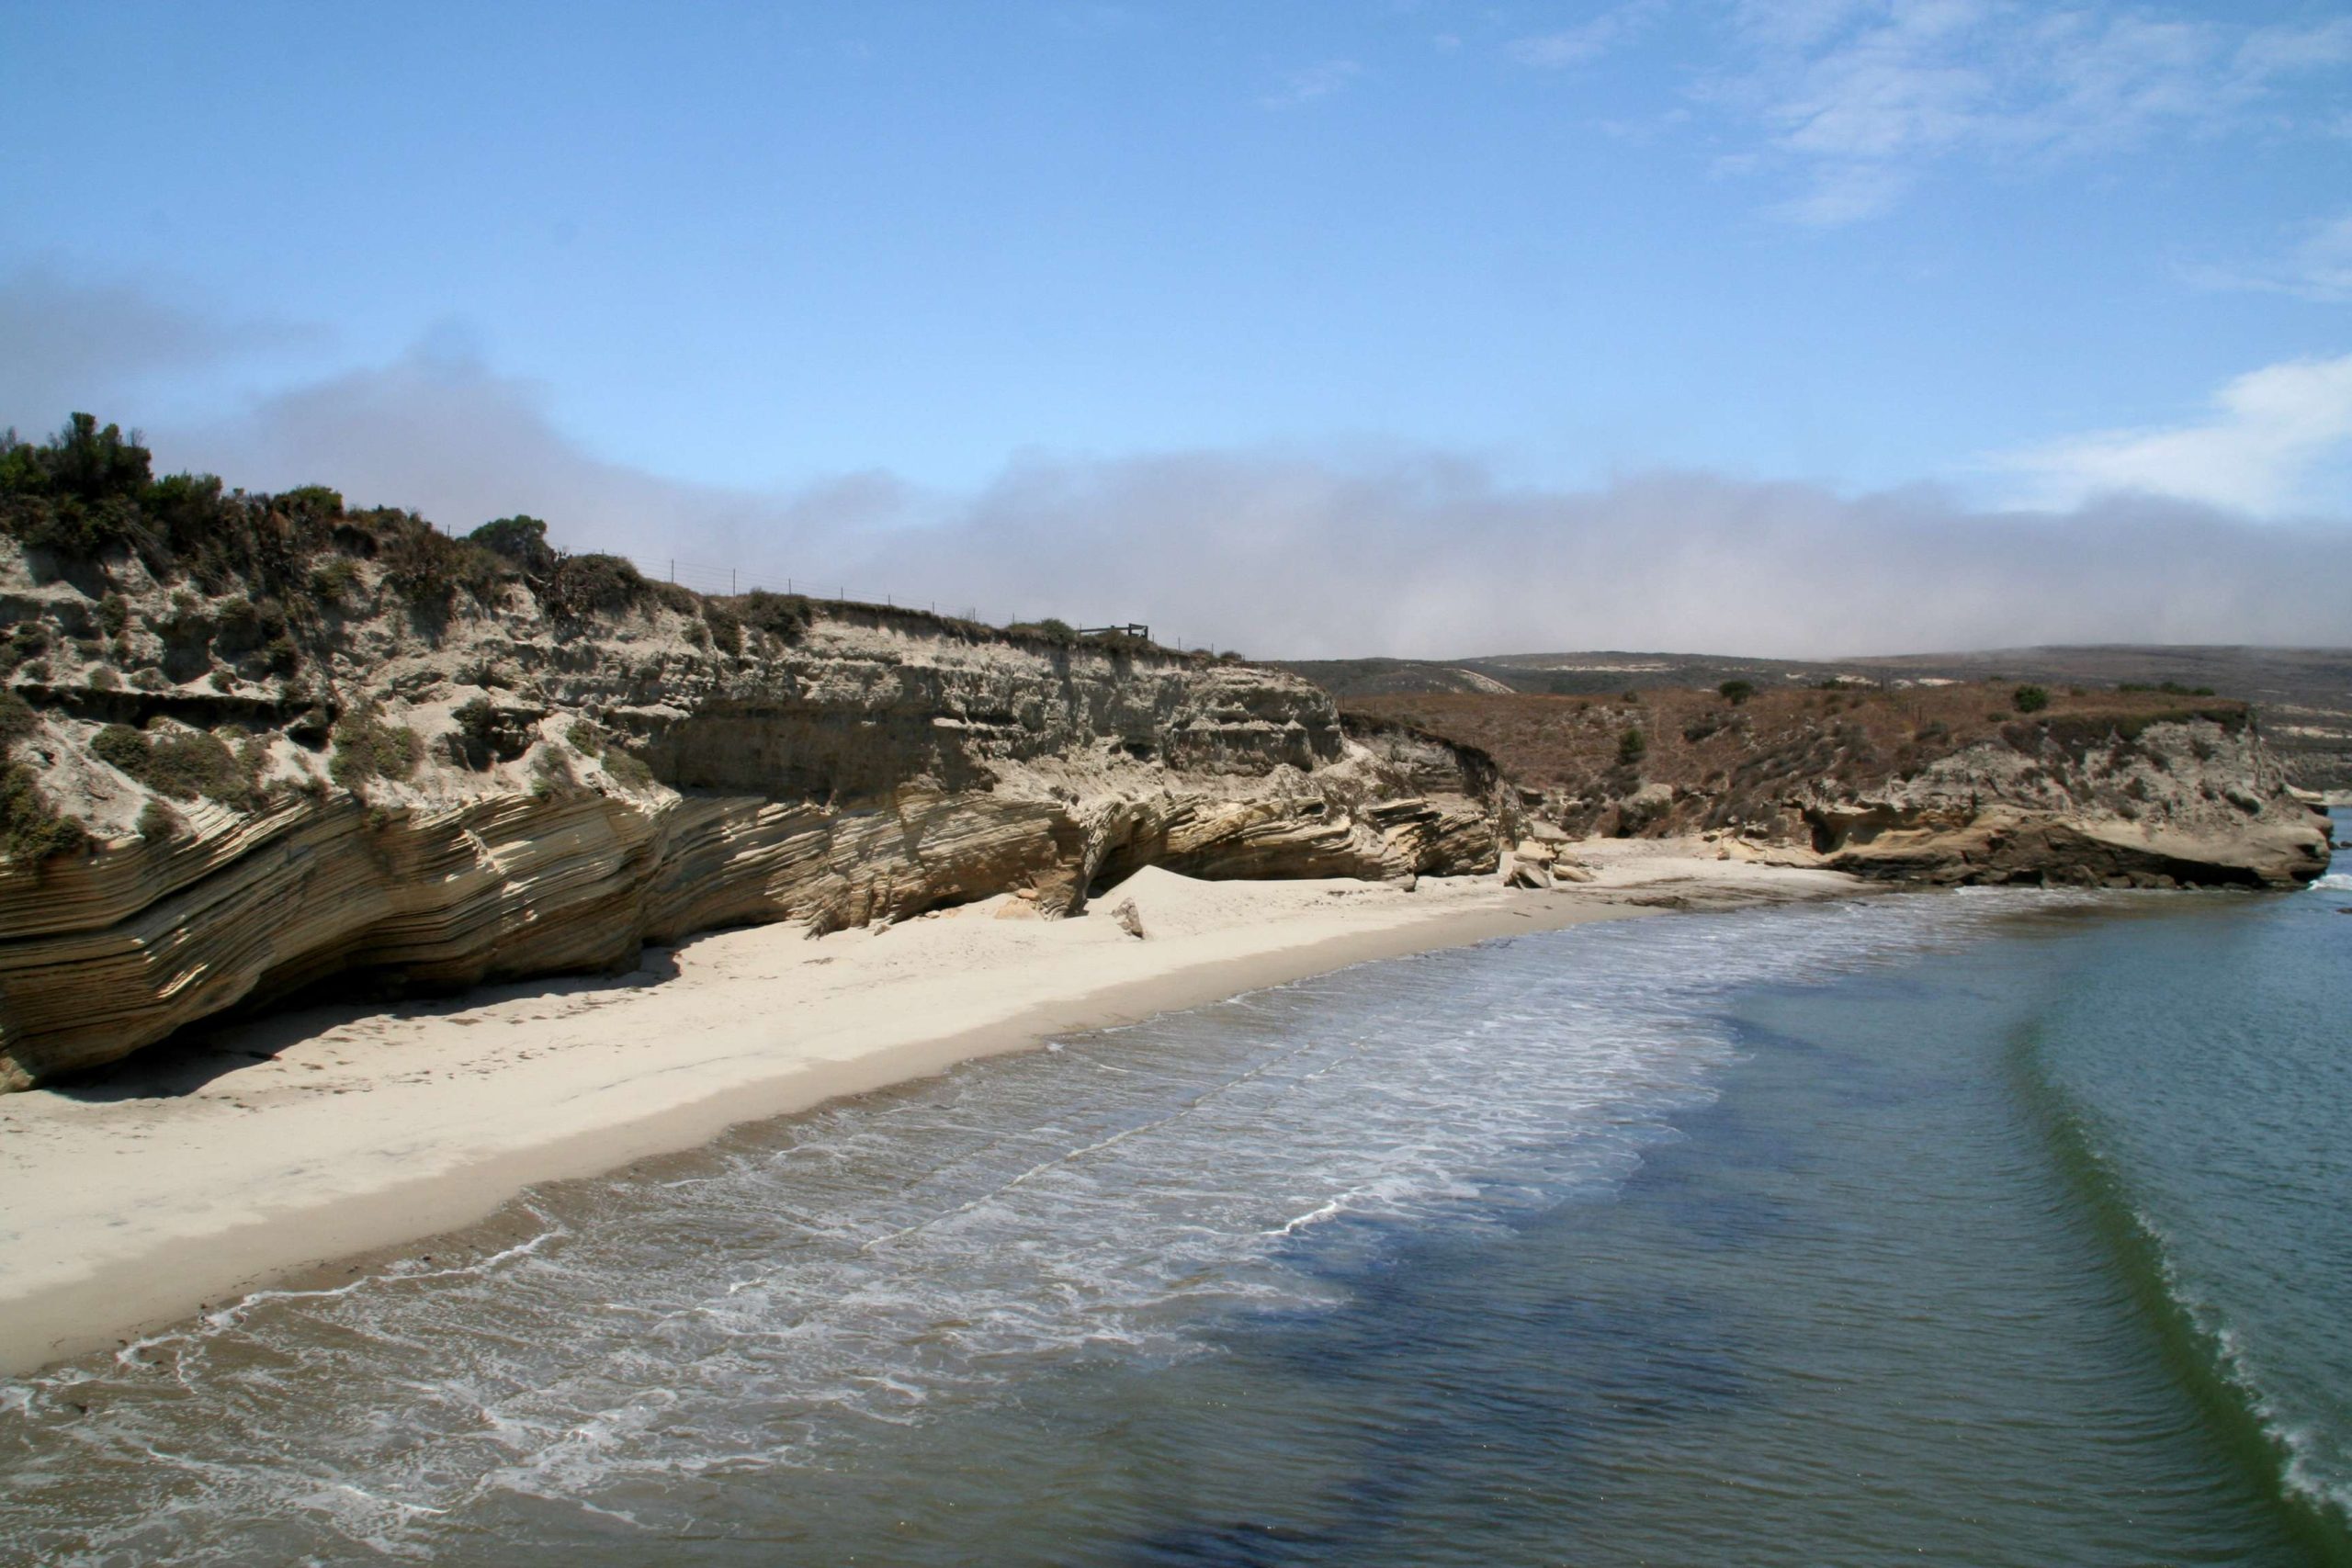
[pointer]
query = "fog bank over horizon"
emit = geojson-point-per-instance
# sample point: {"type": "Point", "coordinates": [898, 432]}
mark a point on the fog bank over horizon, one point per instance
{"type": "Point", "coordinates": [1372, 548]}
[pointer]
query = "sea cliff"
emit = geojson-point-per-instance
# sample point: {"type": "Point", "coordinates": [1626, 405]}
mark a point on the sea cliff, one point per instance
{"type": "Point", "coordinates": [1945, 783]}
{"type": "Point", "coordinates": [304, 768]}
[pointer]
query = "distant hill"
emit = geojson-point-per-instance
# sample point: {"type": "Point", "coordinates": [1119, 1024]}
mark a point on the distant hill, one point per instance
{"type": "Point", "coordinates": [2302, 695]}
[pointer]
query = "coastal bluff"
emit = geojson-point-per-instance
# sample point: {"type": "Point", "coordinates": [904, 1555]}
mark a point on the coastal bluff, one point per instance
{"type": "Point", "coordinates": [349, 749]}
{"type": "Point", "coordinates": [1944, 783]}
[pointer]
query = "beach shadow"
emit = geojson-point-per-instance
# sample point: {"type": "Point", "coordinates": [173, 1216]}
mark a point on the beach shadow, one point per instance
{"type": "Point", "coordinates": [186, 1062]}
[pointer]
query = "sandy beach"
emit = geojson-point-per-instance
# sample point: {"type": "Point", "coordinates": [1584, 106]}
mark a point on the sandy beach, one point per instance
{"type": "Point", "coordinates": [219, 1163]}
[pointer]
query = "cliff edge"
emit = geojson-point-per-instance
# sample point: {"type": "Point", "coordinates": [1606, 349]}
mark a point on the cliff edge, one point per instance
{"type": "Point", "coordinates": [260, 743]}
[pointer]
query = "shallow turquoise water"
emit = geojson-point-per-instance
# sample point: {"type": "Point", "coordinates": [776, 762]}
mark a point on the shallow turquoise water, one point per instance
{"type": "Point", "coordinates": [1981, 1228]}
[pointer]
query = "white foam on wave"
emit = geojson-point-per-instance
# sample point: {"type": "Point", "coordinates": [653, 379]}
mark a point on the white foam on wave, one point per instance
{"type": "Point", "coordinates": [2334, 882]}
{"type": "Point", "coordinates": [891, 1257]}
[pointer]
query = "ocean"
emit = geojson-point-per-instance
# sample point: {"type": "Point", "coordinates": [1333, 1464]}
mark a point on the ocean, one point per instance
{"type": "Point", "coordinates": [1979, 1227]}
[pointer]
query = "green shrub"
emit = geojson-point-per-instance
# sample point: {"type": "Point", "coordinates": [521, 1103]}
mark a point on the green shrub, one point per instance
{"type": "Point", "coordinates": [476, 720]}
{"type": "Point", "coordinates": [114, 615]}
{"type": "Point", "coordinates": [31, 830]}
{"type": "Point", "coordinates": [1051, 631]}
{"type": "Point", "coordinates": [1736, 692]}
{"type": "Point", "coordinates": [2030, 699]}
{"type": "Point", "coordinates": [628, 768]}
{"type": "Point", "coordinates": [426, 567]}
{"type": "Point", "coordinates": [683, 599]}
{"type": "Point", "coordinates": [121, 747]}
{"type": "Point", "coordinates": [552, 774]}
{"type": "Point", "coordinates": [158, 822]}
{"type": "Point", "coordinates": [241, 624]}
{"type": "Point", "coordinates": [104, 679]}
{"type": "Point", "coordinates": [1631, 745]}
{"type": "Point", "coordinates": [18, 719]}
{"type": "Point", "coordinates": [726, 627]}
{"type": "Point", "coordinates": [366, 748]}
{"type": "Point", "coordinates": [782, 615]}
{"type": "Point", "coordinates": [334, 583]}
{"type": "Point", "coordinates": [77, 493]}
{"type": "Point", "coordinates": [586, 584]}
{"type": "Point", "coordinates": [585, 738]}
{"type": "Point", "coordinates": [520, 539]}
{"type": "Point", "coordinates": [181, 764]}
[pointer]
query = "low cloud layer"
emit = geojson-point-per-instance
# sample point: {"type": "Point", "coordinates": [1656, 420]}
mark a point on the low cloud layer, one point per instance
{"type": "Point", "coordinates": [1305, 554]}
{"type": "Point", "coordinates": [2277, 440]}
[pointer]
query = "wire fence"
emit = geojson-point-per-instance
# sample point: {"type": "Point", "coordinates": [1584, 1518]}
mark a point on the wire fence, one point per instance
{"type": "Point", "coordinates": [705, 578]}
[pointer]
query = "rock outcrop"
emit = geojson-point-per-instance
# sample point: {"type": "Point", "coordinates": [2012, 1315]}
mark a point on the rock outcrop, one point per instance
{"type": "Point", "coordinates": [470, 787]}
{"type": "Point", "coordinates": [2195, 802]}
{"type": "Point", "coordinates": [1949, 785]}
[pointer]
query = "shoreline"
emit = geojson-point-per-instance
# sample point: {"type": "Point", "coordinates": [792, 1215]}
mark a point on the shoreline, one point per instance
{"type": "Point", "coordinates": [272, 1148]}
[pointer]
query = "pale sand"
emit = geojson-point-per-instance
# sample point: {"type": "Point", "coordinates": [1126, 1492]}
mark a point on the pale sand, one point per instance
{"type": "Point", "coordinates": [194, 1172]}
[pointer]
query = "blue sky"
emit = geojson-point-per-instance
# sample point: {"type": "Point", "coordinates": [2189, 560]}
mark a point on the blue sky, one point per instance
{"type": "Point", "coordinates": [795, 279]}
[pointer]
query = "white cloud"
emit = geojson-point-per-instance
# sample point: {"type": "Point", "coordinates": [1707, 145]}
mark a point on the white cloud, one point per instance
{"type": "Point", "coordinates": [1391, 549]}
{"type": "Point", "coordinates": [1860, 99]}
{"type": "Point", "coordinates": [2276, 441]}
{"type": "Point", "coordinates": [1315, 81]}
{"type": "Point", "coordinates": [2318, 266]}
{"type": "Point", "coordinates": [1586, 40]}
{"type": "Point", "coordinates": [1399, 550]}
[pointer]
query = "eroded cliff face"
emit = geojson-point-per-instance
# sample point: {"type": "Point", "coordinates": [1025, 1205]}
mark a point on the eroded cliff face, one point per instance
{"type": "Point", "coordinates": [2193, 802]}
{"type": "Point", "coordinates": [471, 789]}
{"type": "Point", "coordinates": [1949, 783]}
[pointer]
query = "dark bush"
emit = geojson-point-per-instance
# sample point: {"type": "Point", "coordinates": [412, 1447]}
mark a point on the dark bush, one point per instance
{"type": "Point", "coordinates": [31, 830]}
{"type": "Point", "coordinates": [426, 567]}
{"type": "Point", "coordinates": [334, 584]}
{"type": "Point", "coordinates": [77, 493]}
{"type": "Point", "coordinates": [366, 748]}
{"type": "Point", "coordinates": [725, 629]}
{"type": "Point", "coordinates": [782, 615]}
{"type": "Point", "coordinates": [181, 764]}
{"type": "Point", "coordinates": [627, 770]}
{"type": "Point", "coordinates": [583, 585]}
{"type": "Point", "coordinates": [16, 719]}
{"type": "Point", "coordinates": [1050, 630]}
{"type": "Point", "coordinates": [520, 539]}
{"type": "Point", "coordinates": [1121, 644]}
{"type": "Point", "coordinates": [476, 720]}
{"type": "Point", "coordinates": [2030, 699]}
{"type": "Point", "coordinates": [158, 822]}
{"type": "Point", "coordinates": [1736, 692]}
{"type": "Point", "coordinates": [1631, 745]}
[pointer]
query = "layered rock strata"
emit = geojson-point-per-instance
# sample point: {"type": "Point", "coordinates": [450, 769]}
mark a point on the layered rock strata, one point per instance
{"type": "Point", "coordinates": [1936, 785]}
{"type": "Point", "coordinates": [464, 792]}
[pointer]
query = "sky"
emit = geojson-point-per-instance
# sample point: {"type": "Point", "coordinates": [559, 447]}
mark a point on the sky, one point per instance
{"type": "Point", "coordinates": [1407, 326]}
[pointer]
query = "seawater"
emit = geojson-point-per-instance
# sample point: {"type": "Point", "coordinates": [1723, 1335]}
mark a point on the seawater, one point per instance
{"type": "Point", "coordinates": [1989, 1228]}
